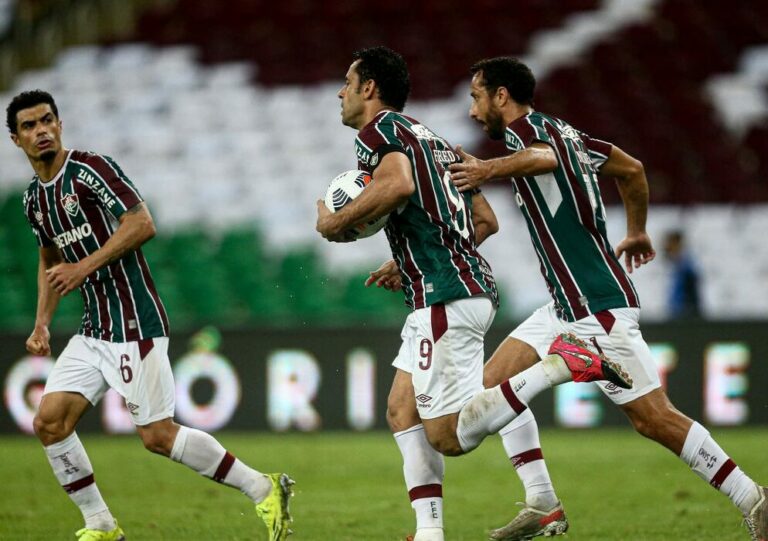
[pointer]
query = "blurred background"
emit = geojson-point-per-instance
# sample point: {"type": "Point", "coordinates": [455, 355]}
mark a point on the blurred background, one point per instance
{"type": "Point", "coordinates": [226, 117]}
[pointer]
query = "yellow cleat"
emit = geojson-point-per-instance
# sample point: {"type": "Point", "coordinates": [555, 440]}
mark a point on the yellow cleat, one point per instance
{"type": "Point", "coordinates": [273, 510]}
{"type": "Point", "coordinates": [115, 534]}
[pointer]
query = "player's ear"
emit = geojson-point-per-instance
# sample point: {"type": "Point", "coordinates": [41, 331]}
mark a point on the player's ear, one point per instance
{"type": "Point", "coordinates": [15, 139]}
{"type": "Point", "coordinates": [501, 97]}
{"type": "Point", "coordinates": [370, 89]}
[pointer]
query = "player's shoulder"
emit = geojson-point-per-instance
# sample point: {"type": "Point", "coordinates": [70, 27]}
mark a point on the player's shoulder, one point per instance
{"type": "Point", "coordinates": [99, 165]}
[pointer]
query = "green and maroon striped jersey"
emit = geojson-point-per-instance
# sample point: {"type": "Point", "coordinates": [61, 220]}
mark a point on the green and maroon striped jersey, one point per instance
{"type": "Point", "coordinates": [77, 211]}
{"type": "Point", "coordinates": [431, 236]}
{"type": "Point", "coordinates": [566, 219]}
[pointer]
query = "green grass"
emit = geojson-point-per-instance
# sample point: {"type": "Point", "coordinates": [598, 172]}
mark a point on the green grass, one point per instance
{"type": "Point", "coordinates": [615, 485]}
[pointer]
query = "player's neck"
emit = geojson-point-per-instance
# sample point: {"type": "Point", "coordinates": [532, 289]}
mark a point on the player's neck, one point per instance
{"type": "Point", "coordinates": [516, 111]}
{"type": "Point", "coordinates": [46, 170]}
{"type": "Point", "coordinates": [373, 111]}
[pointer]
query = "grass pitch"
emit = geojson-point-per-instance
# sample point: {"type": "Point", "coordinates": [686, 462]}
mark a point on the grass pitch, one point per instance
{"type": "Point", "coordinates": [615, 486]}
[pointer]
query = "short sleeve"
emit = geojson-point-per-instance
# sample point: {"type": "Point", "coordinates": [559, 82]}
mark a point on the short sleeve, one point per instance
{"type": "Point", "coordinates": [598, 150]}
{"type": "Point", "coordinates": [114, 191]}
{"type": "Point", "coordinates": [375, 141]}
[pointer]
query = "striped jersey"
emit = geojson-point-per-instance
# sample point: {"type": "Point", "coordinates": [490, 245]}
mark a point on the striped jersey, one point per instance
{"type": "Point", "coordinates": [566, 219]}
{"type": "Point", "coordinates": [431, 235]}
{"type": "Point", "coordinates": [77, 211]}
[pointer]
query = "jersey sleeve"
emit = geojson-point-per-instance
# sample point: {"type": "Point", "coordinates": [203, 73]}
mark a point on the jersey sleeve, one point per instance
{"type": "Point", "coordinates": [523, 132]}
{"type": "Point", "coordinates": [123, 194]}
{"type": "Point", "coordinates": [598, 150]}
{"type": "Point", "coordinates": [42, 239]}
{"type": "Point", "coordinates": [376, 141]}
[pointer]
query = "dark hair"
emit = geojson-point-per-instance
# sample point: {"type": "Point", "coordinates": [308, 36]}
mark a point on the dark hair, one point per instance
{"type": "Point", "coordinates": [510, 73]}
{"type": "Point", "coordinates": [25, 100]}
{"type": "Point", "coordinates": [390, 72]}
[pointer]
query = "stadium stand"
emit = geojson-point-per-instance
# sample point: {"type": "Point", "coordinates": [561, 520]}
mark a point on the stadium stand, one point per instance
{"type": "Point", "coordinates": [232, 141]}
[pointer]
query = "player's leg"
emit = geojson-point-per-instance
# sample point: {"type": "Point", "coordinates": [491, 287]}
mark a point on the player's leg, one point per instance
{"type": "Point", "coordinates": [141, 372]}
{"type": "Point", "coordinates": [423, 466]}
{"type": "Point", "coordinates": [655, 417]}
{"type": "Point", "coordinates": [72, 387]}
{"type": "Point", "coordinates": [568, 359]}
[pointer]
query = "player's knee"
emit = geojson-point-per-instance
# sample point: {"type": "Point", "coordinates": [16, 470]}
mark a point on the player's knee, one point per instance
{"type": "Point", "coordinates": [445, 445]}
{"type": "Point", "coordinates": [157, 442]}
{"type": "Point", "coordinates": [50, 429]}
{"type": "Point", "coordinates": [400, 416]}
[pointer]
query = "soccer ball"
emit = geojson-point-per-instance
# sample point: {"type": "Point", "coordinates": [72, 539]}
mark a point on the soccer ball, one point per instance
{"type": "Point", "coordinates": [343, 189]}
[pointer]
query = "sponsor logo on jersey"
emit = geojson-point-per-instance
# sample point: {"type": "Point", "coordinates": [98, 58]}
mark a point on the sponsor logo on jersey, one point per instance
{"type": "Point", "coordinates": [73, 235]}
{"type": "Point", "coordinates": [97, 187]}
{"type": "Point", "coordinates": [70, 204]}
{"type": "Point", "coordinates": [374, 159]}
{"type": "Point", "coordinates": [362, 154]}
{"type": "Point", "coordinates": [422, 132]}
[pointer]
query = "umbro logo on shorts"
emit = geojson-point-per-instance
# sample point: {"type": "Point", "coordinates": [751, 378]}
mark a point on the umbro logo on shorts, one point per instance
{"type": "Point", "coordinates": [132, 407]}
{"type": "Point", "coordinates": [423, 398]}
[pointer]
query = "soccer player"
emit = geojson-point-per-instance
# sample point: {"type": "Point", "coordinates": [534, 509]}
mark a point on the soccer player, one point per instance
{"type": "Point", "coordinates": [554, 172]}
{"type": "Point", "coordinates": [437, 395]}
{"type": "Point", "coordinates": [90, 223]}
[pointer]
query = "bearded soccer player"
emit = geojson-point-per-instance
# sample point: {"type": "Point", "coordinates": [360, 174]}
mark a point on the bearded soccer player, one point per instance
{"type": "Point", "coordinates": [90, 223]}
{"type": "Point", "coordinates": [554, 171]}
{"type": "Point", "coordinates": [437, 395]}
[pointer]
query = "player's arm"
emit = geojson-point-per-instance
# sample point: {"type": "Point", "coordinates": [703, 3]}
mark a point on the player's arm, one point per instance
{"type": "Point", "coordinates": [629, 173]}
{"type": "Point", "coordinates": [391, 186]}
{"type": "Point", "coordinates": [136, 227]}
{"type": "Point", "coordinates": [484, 220]}
{"type": "Point", "coordinates": [47, 301]}
{"type": "Point", "coordinates": [536, 159]}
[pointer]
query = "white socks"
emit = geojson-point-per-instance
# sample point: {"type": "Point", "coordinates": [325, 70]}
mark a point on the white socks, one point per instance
{"type": "Point", "coordinates": [489, 410]}
{"type": "Point", "coordinates": [423, 469]}
{"type": "Point", "coordinates": [521, 442]}
{"type": "Point", "coordinates": [201, 452]}
{"type": "Point", "coordinates": [709, 461]}
{"type": "Point", "coordinates": [75, 474]}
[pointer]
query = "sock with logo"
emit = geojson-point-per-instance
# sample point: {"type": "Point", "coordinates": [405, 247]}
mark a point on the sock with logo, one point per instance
{"type": "Point", "coordinates": [709, 461]}
{"type": "Point", "coordinates": [521, 442]}
{"type": "Point", "coordinates": [73, 469]}
{"type": "Point", "coordinates": [204, 454]}
{"type": "Point", "coordinates": [423, 469]}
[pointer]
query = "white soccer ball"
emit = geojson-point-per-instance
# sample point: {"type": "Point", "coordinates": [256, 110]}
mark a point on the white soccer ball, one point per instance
{"type": "Point", "coordinates": [343, 189]}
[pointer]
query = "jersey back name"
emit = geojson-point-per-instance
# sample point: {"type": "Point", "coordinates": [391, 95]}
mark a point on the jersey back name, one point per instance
{"type": "Point", "coordinates": [78, 211]}
{"type": "Point", "coordinates": [431, 236]}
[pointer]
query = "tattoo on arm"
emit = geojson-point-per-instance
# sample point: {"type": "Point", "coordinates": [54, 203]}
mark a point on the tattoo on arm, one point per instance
{"type": "Point", "coordinates": [135, 209]}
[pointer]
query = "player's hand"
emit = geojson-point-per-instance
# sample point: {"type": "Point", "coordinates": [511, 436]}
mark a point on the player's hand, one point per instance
{"type": "Point", "coordinates": [386, 276]}
{"type": "Point", "coordinates": [38, 342]}
{"type": "Point", "coordinates": [637, 250]}
{"type": "Point", "coordinates": [326, 226]}
{"type": "Point", "coordinates": [65, 277]}
{"type": "Point", "coordinates": [470, 173]}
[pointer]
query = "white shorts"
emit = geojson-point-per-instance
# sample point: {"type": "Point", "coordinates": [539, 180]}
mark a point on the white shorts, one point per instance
{"type": "Point", "coordinates": [139, 371]}
{"type": "Point", "coordinates": [616, 332]}
{"type": "Point", "coordinates": [443, 351]}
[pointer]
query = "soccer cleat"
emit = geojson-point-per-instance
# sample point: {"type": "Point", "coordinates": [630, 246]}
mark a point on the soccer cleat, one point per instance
{"type": "Point", "coordinates": [531, 522]}
{"type": "Point", "coordinates": [116, 534]}
{"type": "Point", "coordinates": [756, 520]}
{"type": "Point", "coordinates": [585, 365]}
{"type": "Point", "coordinates": [273, 509]}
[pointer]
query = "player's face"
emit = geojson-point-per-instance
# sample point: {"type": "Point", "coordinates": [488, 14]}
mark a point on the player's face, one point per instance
{"type": "Point", "coordinates": [38, 133]}
{"type": "Point", "coordinates": [351, 98]}
{"type": "Point", "coordinates": [484, 109]}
